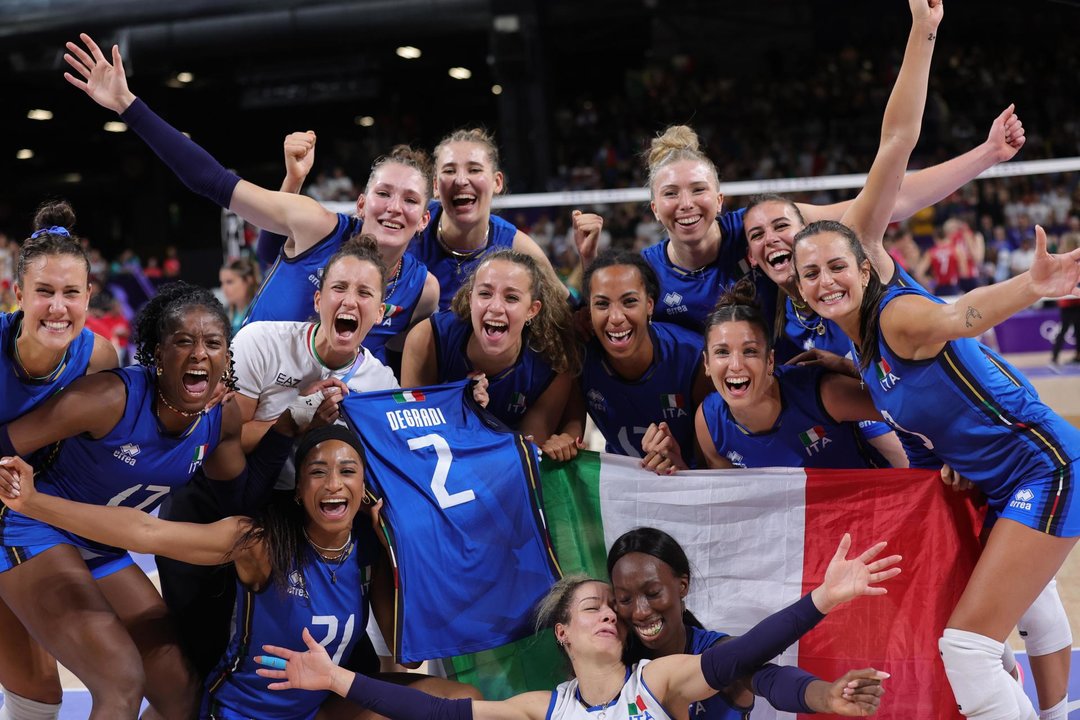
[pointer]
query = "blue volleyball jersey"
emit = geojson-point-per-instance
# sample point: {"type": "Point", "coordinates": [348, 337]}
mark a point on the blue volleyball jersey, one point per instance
{"type": "Point", "coordinates": [134, 465]}
{"type": "Point", "coordinates": [451, 271]}
{"type": "Point", "coordinates": [717, 707]}
{"type": "Point", "coordinates": [804, 435]}
{"type": "Point", "coordinates": [288, 290]}
{"type": "Point", "coordinates": [974, 411]}
{"type": "Point", "coordinates": [328, 598]}
{"type": "Point", "coordinates": [688, 296]}
{"type": "Point", "coordinates": [402, 294]}
{"type": "Point", "coordinates": [510, 393]}
{"type": "Point", "coordinates": [22, 393]}
{"type": "Point", "coordinates": [624, 409]}
{"type": "Point", "coordinates": [462, 516]}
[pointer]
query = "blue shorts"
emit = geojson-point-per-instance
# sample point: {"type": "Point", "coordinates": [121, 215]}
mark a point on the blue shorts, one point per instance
{"type": "Point", "coordinates": [1050, 505]}
{"type": "Point", "coordinates": [24, 538]}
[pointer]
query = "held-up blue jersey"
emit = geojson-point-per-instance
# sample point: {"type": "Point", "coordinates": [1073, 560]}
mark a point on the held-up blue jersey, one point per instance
{"type": "Point", "coordinates": [288, 290]}
{"type": "Point", "coordinates": [510, 393]}
{"type": "Point", "coordinates": [399, 302]}
{"type": "Point", "coordinates": [450, 271]}
{"type": "Point", "coordinates": [975, 412]}
{"type": "Point", "coordinates": [804, 434]}
{"type": "Point", "coordinates": [717, 707]}
{"type": "Point", "coordinates": [462, 515]}
{"type": "Point", "coordinates": [688, 296]}
{"type": "Point", "coordinates": [624, 409]}
{"type": "Point", "coordinates": [134, 465]}
{"type": "Point", "coordinates": [21, 393]}
{"type": "Point", "coordinates": [329, 598]}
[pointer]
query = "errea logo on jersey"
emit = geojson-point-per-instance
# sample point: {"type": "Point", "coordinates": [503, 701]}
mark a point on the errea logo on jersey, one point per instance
{"type": "Point", "coordinates": [596, 400]}
{"type": "Point", "coordinates": [736, 459]}
{"type": "Point", "coordinates": [127, 453]}
{"type": "Point", "coordinates": [1022, 499]}
{"type": "Point", "coordinates": [296, 585]}
{"type": "Point", "coordinates": [674, 302]}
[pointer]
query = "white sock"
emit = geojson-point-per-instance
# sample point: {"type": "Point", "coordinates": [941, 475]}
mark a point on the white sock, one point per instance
{"type": "Point", "coordinates": [16, 707]}
{"type": "Point", "coordinates": [1058, 712]}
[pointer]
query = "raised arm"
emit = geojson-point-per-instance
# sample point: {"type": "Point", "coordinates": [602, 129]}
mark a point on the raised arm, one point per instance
{"type": "Point", "coordinates": [119, 526]}
{"type": "Point", "coordinates": [917, 327]}
{"type": "Point", "coordinates": [296, 216]}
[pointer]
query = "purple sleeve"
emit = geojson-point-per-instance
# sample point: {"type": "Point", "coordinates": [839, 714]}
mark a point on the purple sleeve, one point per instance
{"type": "Point", "coordinates": [399, 702]}
{"type": "Point", "coordinates": [784, 687]}
{"type": "Point", "coordinates": [722, 664]}
{"type": "Point", "coordinates": [195, 167]}
{"type": "Point", "coordinates": [268, 247]}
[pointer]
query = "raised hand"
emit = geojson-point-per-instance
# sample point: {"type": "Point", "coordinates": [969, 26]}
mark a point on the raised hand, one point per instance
{"type": "Point", "coordinates": [299, 155]}
{"type": "Point", "coordinates": [927, 12]}
{"type": "Point", "coordinates": [856, 694]}
{"type": "Point", "coordinates": [103, 81]}
{"type": "Point", "coordinates": [1006, 135]}
{"type": "Point", "coordinates": [309, 670]}
{"type": "Point", "coordinates": [848, 579]}
{"type": "Point", "coordinates": [828, 360]}
{"type": "Point", "coordinates": [587, 227]}
{"type": "Point", "coordinates": [16, 482]}
{"type": "Point", "coordinates": [1054, 275]}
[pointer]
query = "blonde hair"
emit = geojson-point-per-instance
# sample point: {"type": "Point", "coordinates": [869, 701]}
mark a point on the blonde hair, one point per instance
{"type": "Point", "coordinates": [478, 136]}
{"type": "Point", "coordinates": [678, 142]}
{"type": "Point", "coordinates": [551, 331]}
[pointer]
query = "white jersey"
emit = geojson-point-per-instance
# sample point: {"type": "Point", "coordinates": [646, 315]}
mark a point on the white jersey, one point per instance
{"type": "Point", "coordinates": [274, 359]}
{"type": "Point", "coordinates": [635, 702]}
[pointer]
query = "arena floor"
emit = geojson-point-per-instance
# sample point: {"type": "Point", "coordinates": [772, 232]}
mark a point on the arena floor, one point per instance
{"type": "Point", "coordinates": [1058, 385]}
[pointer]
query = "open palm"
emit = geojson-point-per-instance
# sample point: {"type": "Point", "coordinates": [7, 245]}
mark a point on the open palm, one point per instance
{"type": "Point", "coordinates": [310, 670]}
{"type": "Point", "coordinates": [103, 81]}
{"type": "Point", "coordinates": [847, 579]}
{"type": "Point", "coordinates": [1054, 275]}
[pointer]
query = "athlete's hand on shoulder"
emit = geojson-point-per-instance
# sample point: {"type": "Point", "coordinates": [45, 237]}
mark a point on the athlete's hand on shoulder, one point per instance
{"type": "Point", "coordinates": [662, 452]}
{"type": "Point", "coordinates": [103, 81]}
{"type": "Point", "coordinates": [480, 388]}
{"type": "Point", "coordinates": [562, 447]}
{"type": "Point", "coordinates": [955, 480]}
{"type": "Point", "coordinates": [927, 12]}
{"type": "Point", "coordinates": [857, 693]}
{"type": "Point", "coordinates": [1006, 135]}
{"type": "Point", "coordinates": [587, 227]}
{"type": "Point", "coordinates": [848, 579]}
{"type": "Point", "coordinates": [1054, 275]}
{"type": "Point", "coordinates": [221, 395]}
{"type": "Point", "coordinates": [828, 360]}
{"type": "Point", "coordinates": [16, 482]}
{"type": "Point", "coordinates": [309, 670]}
{"type": "Point", "coordinates": [299, 154]}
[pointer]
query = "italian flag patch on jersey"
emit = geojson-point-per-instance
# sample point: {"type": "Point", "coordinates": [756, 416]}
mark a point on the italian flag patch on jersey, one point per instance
{"type": "Point", "coordinates": [409, 396]}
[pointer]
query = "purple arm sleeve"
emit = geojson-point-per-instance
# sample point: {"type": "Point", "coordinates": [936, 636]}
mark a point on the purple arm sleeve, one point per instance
{"type": "Point", "coordinates": [398, 702]}
{"type": "Point", "coordinates": [195, 167]}
{"type": "Point", "coordinates": [722, 664]}
{"type": "Point", "coordinates": [784, 687]}
{"type": "Point", "coordinates": [268, 247]}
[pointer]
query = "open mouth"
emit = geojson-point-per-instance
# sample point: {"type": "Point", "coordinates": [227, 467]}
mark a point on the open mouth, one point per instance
{"type": "Point", "coordinates": [334, 508]}
{"type": "Point", "coordinates": [619, 339]}
{"type": "Point", "coordinates": [196, 382]}
{"type": "Point", "coordinates": [345, 324]}
{"type": "Point", "coordinates": [737, 386]}
{"type": "Point", "coordinates": [463, 200]}
{"type": "Point", "coordinates": [391, 225]}
{"type": "Point", "coordinates": [777, 258]}
{"type": "Point", "coordinates": [495, 329]}
{"type": "Point", "coordinates": [833, 298]}
{"type": "Point", "coordinates": [650, 631]}
{"type": "Point", "coordinates": [688, 221]}
{"type": "Point", "coordinates": [56, 326]}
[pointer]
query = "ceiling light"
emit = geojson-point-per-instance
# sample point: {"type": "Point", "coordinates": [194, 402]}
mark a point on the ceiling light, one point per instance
{"type": "Point", "coordinates": [364, 120]}
{"type": "Point", "coordinates": [72, 177]}
{"type": "Point", "coordinates": [37, 114]}
{"type": "Point", "coordinates": [408, 52]}
{"type": "Point", "coordinates": [24, 154]}
{"type": "Point", "coordinates": [115, 126]}
{"type": "Point", "coordinates": [460, 73]}
{"type": "Point", "coordinates": [184, 77]}
{"type": "Point", "coordinates": [496, 89]}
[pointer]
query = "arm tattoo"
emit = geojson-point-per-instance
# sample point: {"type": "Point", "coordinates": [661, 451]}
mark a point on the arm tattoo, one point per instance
{"type": "Point", "coordinates": [931, 37]}
{"type": "Point", "coordinates": [971, 313]}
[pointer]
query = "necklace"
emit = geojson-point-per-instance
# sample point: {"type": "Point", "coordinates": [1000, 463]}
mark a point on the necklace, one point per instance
{"type": "Point", "coordinates": [47, 376]}
{"type": "Point", "coordinates": [460, 256]}
{"type": "Point", "coordinates": [178, 411]}
{"type": "Point", "coordinates": [342, 553]}
{"type": "Point", "coordinates": [602, 709]}
{"type": "Point", "coordinates": [806, 323]}
{"type": "Point", "coordinates": [391, 284]}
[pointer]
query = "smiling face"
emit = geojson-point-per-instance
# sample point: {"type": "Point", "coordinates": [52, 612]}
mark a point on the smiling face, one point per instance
{"type": "Point", "coordinates": [738, 362]}
{"type": "Point", "coordinates": [394, 205]}
{"type": "Point", "coordinates": [770, 230]}
{"type": "Point", "coordinates": [686, 199]}
{"type": "Point", "coordinates": [330, 487]}
{"type": "Point", "coordinates": [649, 599]}
{"type": "Point", "coordinates": [501, 302]}
{"type": "Point", "coordinates": [193, 355]}
{"type": "Point", "coordinates": [54, 294]}
{"type": "Point", "coordinates": [619, 309]}
{"type": "Point", "coordinates": [830, 278]}
{"type": "Point", "coordinates": [465, 182]}
{"type": "Point", "coordinates": [349, 303]}
{"type": "Point", "coordinates": [593, 628]}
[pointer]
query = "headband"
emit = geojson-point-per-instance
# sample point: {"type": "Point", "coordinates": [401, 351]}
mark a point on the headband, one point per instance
{"type": "Point", "coordinates": [313, 437]}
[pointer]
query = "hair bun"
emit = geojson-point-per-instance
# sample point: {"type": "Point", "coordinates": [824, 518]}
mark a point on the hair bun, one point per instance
{"type": "Point", "coordinates": [675, 138]}
{"type": "Point", "coordinates": [743, 292]}
{"type": "Point", "coordinates": [54, 214]}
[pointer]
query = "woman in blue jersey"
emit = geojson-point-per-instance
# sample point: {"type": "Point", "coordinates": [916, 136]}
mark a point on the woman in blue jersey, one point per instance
{"type": "Point", "coordinates": [129, 437]}
{"type": "Point", "coordinates": [762, 415]}
{"type": "Point", "coordinates": [392, 210]}
{"type": "Point", "coordinates": [650, 577]}
{"type": "Point", "coordinates": [637, 375]}
{"type": "Point", "coordinates": [43, 347]}
{"type": "Point", "coordinates": [462, 229]}
{"type": "Point", "coordinates": [581, 612]}
{"type": "Point", "coordinates": [302, 561]}
{"type": "Point", "coordinates": [392, 207]}
{"type": "Point", "coordinates": [510, 323]}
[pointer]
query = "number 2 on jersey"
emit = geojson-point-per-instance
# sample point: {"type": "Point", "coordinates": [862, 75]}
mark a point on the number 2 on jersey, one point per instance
{"type": "Point", "coordinates": [442, 470]}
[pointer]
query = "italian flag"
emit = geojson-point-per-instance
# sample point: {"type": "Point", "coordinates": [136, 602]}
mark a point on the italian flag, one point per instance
{"type": "Point", "coordinates": [812, 435]}
{"type": "Point", "coordinates": [409, 396]}
{"type": "Point", "coordinates": [672, 401]}
{"type": "Point", "coordinates": [883, 369]}
{"type": "Point", "coordinates": [200, 453]}
{"type": "Point", "coordinates": [757, 541]}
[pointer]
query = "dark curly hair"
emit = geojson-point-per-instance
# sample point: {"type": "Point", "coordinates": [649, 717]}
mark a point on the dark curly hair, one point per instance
{"type": "Point", "coordinates": [164, 313]}
{"type": "Point", "coordinates": [739, 303]}
{"type": "Point", "coordinates": [44, 241]}
{"type": "Point", "coordinates": [613, 257]}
